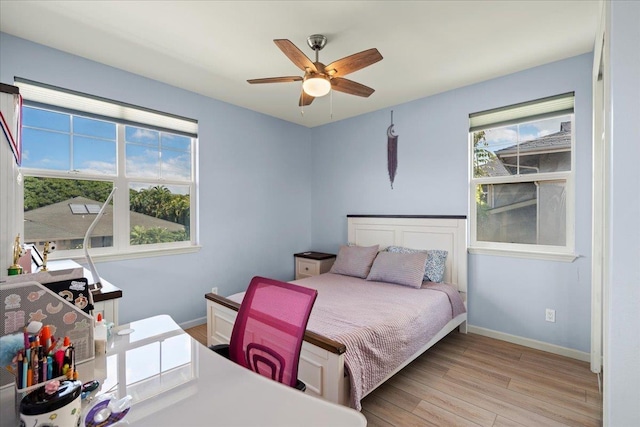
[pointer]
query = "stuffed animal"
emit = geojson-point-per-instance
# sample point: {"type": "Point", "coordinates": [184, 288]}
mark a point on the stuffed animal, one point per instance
{"type": "Point", "coordinates": [10, 345]}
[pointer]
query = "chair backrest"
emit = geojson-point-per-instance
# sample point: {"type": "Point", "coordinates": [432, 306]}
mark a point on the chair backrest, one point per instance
{"type": "Point", "coordinates": [269, 329]}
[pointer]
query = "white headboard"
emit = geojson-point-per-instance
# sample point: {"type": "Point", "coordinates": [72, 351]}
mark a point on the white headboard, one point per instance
{"type": "Point", "coordinates": [448, 233]}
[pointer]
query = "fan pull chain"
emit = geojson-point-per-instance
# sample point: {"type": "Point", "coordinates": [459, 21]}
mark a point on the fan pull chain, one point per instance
{"type": "Point", "coordinates": [302, 104]}
{"type": "Point", "coordinates": [331, 104]}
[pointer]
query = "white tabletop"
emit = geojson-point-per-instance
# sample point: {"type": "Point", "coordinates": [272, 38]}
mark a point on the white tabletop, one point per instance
{"type": "Point", "coordinates": [176, 381]}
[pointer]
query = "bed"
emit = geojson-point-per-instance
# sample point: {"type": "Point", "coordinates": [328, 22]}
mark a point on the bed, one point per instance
{"type": "Point", "coordinates": [332, 363]}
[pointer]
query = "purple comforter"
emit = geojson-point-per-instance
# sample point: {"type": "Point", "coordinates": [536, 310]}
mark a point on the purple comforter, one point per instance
{"type": "Point", "coordinates": [381, 324]}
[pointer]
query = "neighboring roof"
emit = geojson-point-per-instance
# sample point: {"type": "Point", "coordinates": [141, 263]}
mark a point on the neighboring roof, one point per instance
{"type": "Point", "coordinates": [559, 141]}
{"type": "Point", "coordinates": [45, 222]}
{"type": "Point", "coordinates": [494, 167]}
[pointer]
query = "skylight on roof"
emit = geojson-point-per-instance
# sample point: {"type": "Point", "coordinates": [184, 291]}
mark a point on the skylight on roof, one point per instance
{"type": "Point", "coordinates": [84, 209]}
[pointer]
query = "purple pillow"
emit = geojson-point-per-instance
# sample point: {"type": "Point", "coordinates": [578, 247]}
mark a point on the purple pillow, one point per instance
{"type": "Point", "coordinates": [400, 268]}
{"type": "Point", "coordinates": [354, 260]}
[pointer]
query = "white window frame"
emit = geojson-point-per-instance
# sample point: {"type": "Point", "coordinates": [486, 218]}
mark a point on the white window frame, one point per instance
{"type": "Point", "coordinates": [121, 249]}
{"type": "Point", "coordinates": [502, 117]}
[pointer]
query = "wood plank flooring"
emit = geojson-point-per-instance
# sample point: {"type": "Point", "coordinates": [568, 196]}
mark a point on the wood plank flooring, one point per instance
{"type": "Point", "coordinates": [471, 380]}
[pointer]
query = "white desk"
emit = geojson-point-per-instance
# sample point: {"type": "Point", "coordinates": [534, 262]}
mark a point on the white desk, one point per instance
{"type": "Point", "coordinates": [176, 381]}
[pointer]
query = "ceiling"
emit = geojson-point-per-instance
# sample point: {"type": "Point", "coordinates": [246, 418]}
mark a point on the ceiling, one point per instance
{"type": "Point", "coordinates": [213, 47]}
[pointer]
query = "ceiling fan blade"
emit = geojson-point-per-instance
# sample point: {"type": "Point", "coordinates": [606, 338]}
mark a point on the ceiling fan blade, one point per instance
{"type": "Point", "coordinates": [295, 55]}
{"type": "Point", "coordinates": [349, 86]}
{"type": "Point", "coordinates": [352, 63]}
{"type": "Point", "coordinates": [276, 80]}
{"type": "Point", "coordinates": [305, 99]}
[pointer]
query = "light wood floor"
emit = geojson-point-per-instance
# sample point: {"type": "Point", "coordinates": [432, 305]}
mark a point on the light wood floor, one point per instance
{"type": "Point", "coordinates": [469, 380]}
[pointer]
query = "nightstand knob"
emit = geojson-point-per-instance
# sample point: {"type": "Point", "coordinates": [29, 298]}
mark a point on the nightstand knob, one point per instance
{"type": "Point", "coordinates": [306, 268]}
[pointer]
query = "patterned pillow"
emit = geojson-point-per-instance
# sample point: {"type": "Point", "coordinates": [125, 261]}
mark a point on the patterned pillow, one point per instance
{"type": "Point", "coordinates": [436, 259]}
{"type": "Point", "coordinates": [401, 268]}
{"type": "Point", "coordinates": [354, 260]}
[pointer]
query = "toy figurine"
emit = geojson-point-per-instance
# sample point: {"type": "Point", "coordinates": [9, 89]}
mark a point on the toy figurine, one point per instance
{"type": "Point", "coordinates": [45, 254]}
{"type": "Point", "coordinates": [15, 268]}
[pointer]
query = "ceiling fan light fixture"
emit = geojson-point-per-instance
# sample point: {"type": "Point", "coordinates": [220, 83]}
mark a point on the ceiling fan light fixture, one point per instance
{"type": "Point", "coordinates": [316, 85]}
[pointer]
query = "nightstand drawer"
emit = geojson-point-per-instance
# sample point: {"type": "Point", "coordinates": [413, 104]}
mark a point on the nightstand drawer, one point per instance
{"type": "Point", "coordinates": [307, 267]}
{"type": "Point", "coordinates": [313, 263]}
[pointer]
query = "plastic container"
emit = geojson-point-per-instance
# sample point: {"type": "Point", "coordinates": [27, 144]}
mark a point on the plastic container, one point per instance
{"type": "Point", "coordinates": [63, 406]}
{"type": "Point", "coordinates": [100, 335]}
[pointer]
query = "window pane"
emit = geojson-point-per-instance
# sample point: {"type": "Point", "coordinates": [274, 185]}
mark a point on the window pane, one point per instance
{"type": "Point", "coordinates": [95, 128]}
{"type": "Point", "coordinates": [525, 148]}
{"type": "Point", "coordinates": [45, 149]}
{"type": "Point", "coordinates": [142, 162]}
{"type": "Point", "coordinates": [142, 136]}
{"type": "Point", "coordinates": [546, 145]}
{"type": "Point", "coordinates": [528, 213]}
{"type": "Point", "coordinates": [178, 142]}
{"type": "Point", "coordinates": [486, 145]}
{"type": "Point", "coordinates": [43, 119]}
{"type": "Point", "coordinates": [142, 152]}
{"type": "Point", "coordinates": [95, 156]}
{"type": "Point", "coordinates": [158, 214]}
{"type": "Point", "coordinates": [48, 215]}
{"type": "Point", "coordinates": [176, 165]}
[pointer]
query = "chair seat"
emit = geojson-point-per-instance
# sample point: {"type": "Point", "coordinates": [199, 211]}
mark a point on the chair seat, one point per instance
{"type": "Point", "coordinates": [221, 349]}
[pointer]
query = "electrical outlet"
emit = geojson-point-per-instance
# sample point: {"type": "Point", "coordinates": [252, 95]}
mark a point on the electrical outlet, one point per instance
{"type": "Point", "coordinates": [550, 315]}
{"type": "Point", "coordinates": [214, 290]}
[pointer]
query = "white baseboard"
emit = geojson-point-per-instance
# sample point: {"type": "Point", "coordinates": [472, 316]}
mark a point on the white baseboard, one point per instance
{"type": "Point", "coordinates": [195, 322]}
{"type": "Point", "coordinates": [527, 342]}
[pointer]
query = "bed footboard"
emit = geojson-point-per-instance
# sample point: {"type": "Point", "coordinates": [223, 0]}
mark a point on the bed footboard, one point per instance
{"type": "Point", "coordinates": [321, 365]}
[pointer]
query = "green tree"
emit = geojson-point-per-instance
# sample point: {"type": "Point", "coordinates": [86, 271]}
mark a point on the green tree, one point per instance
{"type": "Point", "coordinates": [481, 158]}
{"type": "Point", "coordinates": [40, 192]}
{"type": "Point", "coordinates": [158, 201]}
{"type": "Point", "coordinates": [142, 236]}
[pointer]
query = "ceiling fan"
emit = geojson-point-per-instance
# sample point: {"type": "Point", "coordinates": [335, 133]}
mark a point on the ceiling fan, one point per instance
{"type": "Point", "coordinates": [318, 78]}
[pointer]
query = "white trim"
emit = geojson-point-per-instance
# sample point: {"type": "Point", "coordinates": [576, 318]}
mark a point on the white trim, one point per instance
{"type": "Point", "coordinates": [122, 248]}
{"type": "Point", "coordinates": [124, 255]}
{"type": "Point", "coordinates": [531, 343]}
{"type": "Point", "coordinates": [545, 255]}
{"type": "Point", "coordinates": [193, 323]}
{"type": "Point", "coordinates": [518, 250]}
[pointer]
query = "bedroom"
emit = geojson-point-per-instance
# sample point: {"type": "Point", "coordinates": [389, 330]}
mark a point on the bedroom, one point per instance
{"type": "Point", "coordinates": [310, 179]}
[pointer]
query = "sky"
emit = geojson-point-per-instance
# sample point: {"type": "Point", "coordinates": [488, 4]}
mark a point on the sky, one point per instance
{"type": "Point", "coordinates": [61, 142]}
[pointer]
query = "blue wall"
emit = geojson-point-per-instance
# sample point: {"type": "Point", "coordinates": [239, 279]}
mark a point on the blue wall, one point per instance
{"type": "Point", "coordinates": [269, 189]}
{"type": "Point", "coordinates": [509, 295]}
{"type": "Point", "coordinates": [253, 184]}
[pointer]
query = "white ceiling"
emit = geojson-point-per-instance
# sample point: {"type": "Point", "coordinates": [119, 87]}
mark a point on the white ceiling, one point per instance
{"type": "Point", "coordinates": [213, 47]}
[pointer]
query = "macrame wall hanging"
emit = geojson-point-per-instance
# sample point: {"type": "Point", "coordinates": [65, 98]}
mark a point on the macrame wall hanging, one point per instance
{"type": "Point", "coordinates": [392, 152]}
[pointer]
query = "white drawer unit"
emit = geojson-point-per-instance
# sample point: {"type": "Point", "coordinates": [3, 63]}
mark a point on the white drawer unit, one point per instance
{"type": "Point", "coordinates": [312, 263]}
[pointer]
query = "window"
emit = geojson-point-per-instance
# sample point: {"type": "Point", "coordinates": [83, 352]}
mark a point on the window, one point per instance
{"type": "Point", "coordinates": [522, 186]}
{"type": "Point", "coordinates": [72, 159]}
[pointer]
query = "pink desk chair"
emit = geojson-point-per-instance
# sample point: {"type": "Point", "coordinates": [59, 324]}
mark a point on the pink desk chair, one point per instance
{"type": "Point", "coordinates": [269, 329]}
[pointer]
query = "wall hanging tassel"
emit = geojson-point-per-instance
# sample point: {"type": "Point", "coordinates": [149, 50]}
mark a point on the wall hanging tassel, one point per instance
{"type": "Point", "coordinates": [392, 152]}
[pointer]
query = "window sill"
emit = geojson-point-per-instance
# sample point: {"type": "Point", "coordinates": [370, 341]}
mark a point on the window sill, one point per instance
{"type": "Point", "coordinates": [549, 256]}
{"type": "Point", "coordinates": [148, 253]}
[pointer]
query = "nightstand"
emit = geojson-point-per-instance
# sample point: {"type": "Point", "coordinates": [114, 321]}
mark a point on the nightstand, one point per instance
{"type": "Point", "coordinates": [312, 263]}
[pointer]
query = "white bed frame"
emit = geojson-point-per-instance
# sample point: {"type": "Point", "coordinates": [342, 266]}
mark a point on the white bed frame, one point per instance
{"type": "Point", "coordinates": [322, 360]}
